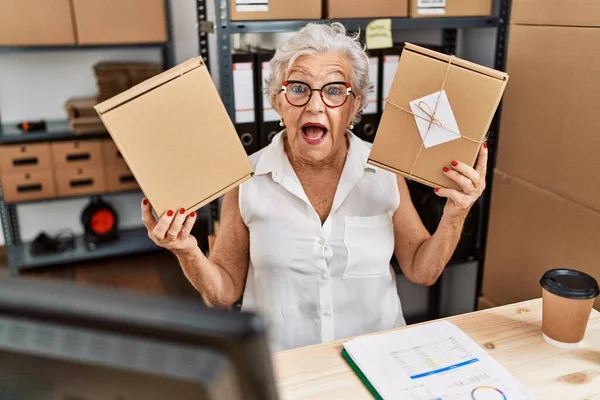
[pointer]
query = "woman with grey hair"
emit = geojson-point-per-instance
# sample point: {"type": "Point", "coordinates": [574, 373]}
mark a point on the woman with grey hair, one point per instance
{"type": "Point", "coordinates": [308, 240]}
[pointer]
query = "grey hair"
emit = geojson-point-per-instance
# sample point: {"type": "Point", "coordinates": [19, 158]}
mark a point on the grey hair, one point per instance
{"type": "Point", "coordinates": [319, 38]}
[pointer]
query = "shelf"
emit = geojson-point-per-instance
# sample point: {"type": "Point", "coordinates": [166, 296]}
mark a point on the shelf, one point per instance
{"type": "Point", "coordinates": [79, 196]}
{"type": "Point", "coordinates": [57, 130]}
{"type": "Point", "coordinates": [131, 241]}
{"type": "Point", "coordinates": [8, 49]}
{"type": "Point", "coordinates": [356, 24]}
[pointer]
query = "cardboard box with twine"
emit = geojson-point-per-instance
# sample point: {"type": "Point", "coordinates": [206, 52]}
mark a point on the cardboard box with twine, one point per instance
{"type": "Point", "coordinates": [439, 109]}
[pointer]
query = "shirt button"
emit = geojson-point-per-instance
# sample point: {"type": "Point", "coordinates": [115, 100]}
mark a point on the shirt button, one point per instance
{"type": "Point", "coordinates": [322, 242]}
{"type": "Point", "coordinates": [324, 275]}
{"type": "Point", "coordinates": [326, 313]}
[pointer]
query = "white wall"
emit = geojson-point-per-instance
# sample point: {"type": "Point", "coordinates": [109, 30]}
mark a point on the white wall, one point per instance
{"type": "Point", "coordinates": [35, 85]}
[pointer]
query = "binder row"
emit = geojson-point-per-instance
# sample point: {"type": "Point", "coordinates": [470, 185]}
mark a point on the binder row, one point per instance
{"type": "Point", "coordinates": [257, 122]}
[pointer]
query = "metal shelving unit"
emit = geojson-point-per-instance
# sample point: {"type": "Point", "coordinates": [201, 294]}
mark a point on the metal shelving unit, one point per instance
{"type": "Point", "coordinates": [225, 29]}
{"type": "Point", "coordinates": [131, 241]}
{"type": "Point", "coordinates": [56, 130]}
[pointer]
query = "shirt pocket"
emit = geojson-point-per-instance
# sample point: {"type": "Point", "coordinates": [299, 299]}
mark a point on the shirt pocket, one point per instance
{"type": "Point", "coordinates": [370, 244]}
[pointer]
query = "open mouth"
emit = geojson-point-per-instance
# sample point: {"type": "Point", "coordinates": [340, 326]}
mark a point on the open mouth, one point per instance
{"type": "Point", "coordinates": [314, 133]}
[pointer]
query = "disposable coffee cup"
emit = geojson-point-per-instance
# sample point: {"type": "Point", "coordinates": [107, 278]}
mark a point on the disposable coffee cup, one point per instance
{"type": "Point", "coordinates": [567, 299]}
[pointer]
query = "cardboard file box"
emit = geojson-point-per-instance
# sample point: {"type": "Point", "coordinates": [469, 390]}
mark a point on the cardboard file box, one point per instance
{"type": "Point", "coordinates": [120, 178]}
{"type": "Point", "coordinates": [121, 21]}
{"type": "Point", "coordinates": [243, 10]}
{"type": "Point", "coordinates": [25, 186]}
{"type": "Point", "coordinates": [177, 138]}
{"type": "Point", "coordinates": [367, 9]}
{"type": "Point", "coordinates": [76, 153]}
{"type": "Point", "coordinates": [36, 23]}
{"type": "Point", "coordinates": [25, 158]}
{"type": "Point", "coordinates": [111, 154]}
{"type": "Point", "coordinates": [79, 181]}
{"type": "Point", "coordinates": [439, 109]}
{"type": "Point", "coordinates": [450, 8]}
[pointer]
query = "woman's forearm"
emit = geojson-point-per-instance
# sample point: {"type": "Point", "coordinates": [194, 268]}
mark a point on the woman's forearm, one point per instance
{"type": "Point", "coordinates": [213, 282]}
{"type": "Point", "coordinates": [434, 253]}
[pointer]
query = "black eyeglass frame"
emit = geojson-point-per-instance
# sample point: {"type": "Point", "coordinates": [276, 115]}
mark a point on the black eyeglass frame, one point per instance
{"type": "Point", "coordinates": [320, 90]}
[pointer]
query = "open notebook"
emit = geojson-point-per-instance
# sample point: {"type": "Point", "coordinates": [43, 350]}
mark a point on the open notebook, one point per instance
{"type": "Point", "coordinates": [436, 361]}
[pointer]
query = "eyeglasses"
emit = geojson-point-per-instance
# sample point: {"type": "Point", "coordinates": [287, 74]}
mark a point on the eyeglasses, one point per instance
{"type": "Point", "coordinates": [333, 94]}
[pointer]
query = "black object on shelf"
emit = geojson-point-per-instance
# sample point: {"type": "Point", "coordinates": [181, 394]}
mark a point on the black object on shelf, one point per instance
{"type": "Point", "coordinates": [45, 244]}
{"type": "Point", "coordinates": [32, 126]}
{"type": "Point", "coordinates": [100, 223]}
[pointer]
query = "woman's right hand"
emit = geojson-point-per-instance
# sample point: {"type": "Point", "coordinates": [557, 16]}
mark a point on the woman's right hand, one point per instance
{"type": "Point", "coordinates": [172, 231]}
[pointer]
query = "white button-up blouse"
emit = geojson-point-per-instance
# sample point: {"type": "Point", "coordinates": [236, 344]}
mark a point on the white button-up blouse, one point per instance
{"type": "Point", "coordinates": [316, 282]}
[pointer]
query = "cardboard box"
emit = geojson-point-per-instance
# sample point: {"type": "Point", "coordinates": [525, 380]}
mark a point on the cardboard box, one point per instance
{"type": "Point", "coordinates": [473, 94]}
{"type": "Point", "coordinates": [112, 156]}
{"type": "Point", "coordinates": [87, 125]}
{"type": "Point", "coordinates": [25, 158]}
{"type": "Point", "coordinates": [77, 153]}
{"type": "Point", "coordinates": [122, 21]}
{"type": "Point", "coordinates": [549, 126]}
{"type": "Point", "coordinates": [367, 9]}
{"type": "Point", "coordinates": [450, 8]}
{"type": "Point", "coordinates": [240, 10]}
{"type": "Point", "coordinates": [533, 230]}
{"type": "Point", "coordinates": [79, 107]}
{"type": "Point", "coordinates": [26, 186]}
{"type": "Point", "coordinates": [36, 23]}
{"type": "Point", "coordinates": [558, 12]}
{"type": "Point", "coordinates": [79, 181]}
{"type": "Point", "coordinates": [483, 303]}
{"type": "Point", "coordinates": [177, 138]}
{"type": "Point", "coordinates": [119, 178]}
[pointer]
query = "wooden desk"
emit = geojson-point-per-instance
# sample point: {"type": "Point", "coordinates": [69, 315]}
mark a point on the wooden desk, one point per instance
{"type": "Point", "coordinates": [511, 334]}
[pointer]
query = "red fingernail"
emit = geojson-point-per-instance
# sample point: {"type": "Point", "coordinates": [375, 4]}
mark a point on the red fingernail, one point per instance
{"type": "Point", "coordinates": [485, 145]}
{"type": "Point", "coordinates": [182, 211]}
{"type": "Point", "coordinates": [446, 169]}
{"type": "Point", "coordinates": [193, 214]}
{"type": "Point", "coordinates": [454, 163]}
{"type": "Point", "coordinates": [170, 213]}
{"type": "Point", "coordinates": [436, 190]}
{"type": "Point", "coordinates": [145, 201]}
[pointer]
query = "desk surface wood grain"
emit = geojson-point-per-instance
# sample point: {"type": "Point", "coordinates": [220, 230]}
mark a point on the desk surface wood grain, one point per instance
{"type": "Point", "coordinates": [511, 334]}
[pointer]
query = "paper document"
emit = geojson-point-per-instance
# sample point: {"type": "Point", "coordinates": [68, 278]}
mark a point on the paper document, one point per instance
{"type": "Point", "coordinates": [435, 119]}
{"type": "Point", "coordinates": [436, 361]}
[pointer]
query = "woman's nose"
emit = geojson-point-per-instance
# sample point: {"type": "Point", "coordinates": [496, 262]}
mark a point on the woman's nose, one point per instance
{"type": "Point", "coordinates": [315, 104]}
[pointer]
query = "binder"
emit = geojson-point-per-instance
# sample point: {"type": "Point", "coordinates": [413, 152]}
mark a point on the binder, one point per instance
{"type": "Point", "coordinates": [244, 87]}
{"type": "Point", "coordinates": [389, 64]}
{"type": "Point", "coordinates": [268, 118]}
{"type": "Point", "coordinates": [367, 127]}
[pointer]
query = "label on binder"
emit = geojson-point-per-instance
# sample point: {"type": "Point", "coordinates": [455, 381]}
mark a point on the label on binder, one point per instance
{"type": "Point", "coordinates": [251, 5]}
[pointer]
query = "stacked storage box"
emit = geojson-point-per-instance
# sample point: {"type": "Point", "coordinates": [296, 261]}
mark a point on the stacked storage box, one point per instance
{"type": "Point", "coordinates": [545, 210]}
{"type": "Point", "coordinates": [62, 169]}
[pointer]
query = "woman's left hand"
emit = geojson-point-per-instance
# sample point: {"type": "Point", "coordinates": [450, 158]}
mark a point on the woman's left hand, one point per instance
{"type": "Point", "coordinates": [472, 184]}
